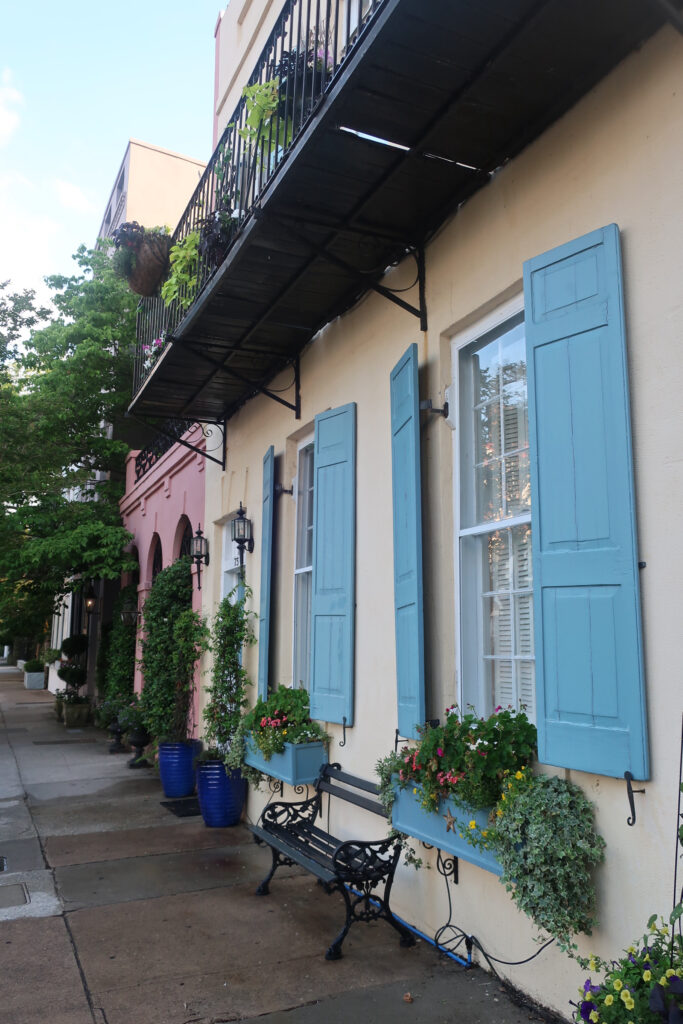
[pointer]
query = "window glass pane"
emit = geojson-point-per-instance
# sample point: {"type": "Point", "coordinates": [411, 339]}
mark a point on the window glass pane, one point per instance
{"type": "Point", "coordinates": [496, 584]}
{"type": "Point", "coordinates": [302, 629]}
{"type": "Point", "coordinates": [304, 509]}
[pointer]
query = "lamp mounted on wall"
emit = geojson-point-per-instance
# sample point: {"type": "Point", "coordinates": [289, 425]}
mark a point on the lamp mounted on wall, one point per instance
{"type": "Point", "coordinates": [242, 534]}
{"type": "Point", "coordinates": [90, 599]}
{"type": "Point", "coordinates": [199, 552]}
{"type": "Point", "coordinates": [129, 613]}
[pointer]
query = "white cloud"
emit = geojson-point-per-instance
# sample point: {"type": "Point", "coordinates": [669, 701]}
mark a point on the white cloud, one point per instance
{"type": "Point", "coordinates": [10, 98]}
{"type": "Point", "coordinates": [72, 197]}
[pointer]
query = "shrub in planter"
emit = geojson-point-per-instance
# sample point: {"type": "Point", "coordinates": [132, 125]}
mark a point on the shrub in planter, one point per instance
{"type": "Point", "coordinates": [76, 709]}
{"type": "Point", "coordinates": [74, 646]}
{"type": "Point", "coordinates": [51, 655]}
{"type": "Point", "coordinates": [222, 791]}
{"type": "Point", "coordinates": [73, 675]}
{"type": "Point", "coordinates": [174, 639]}
{"type": "Point", "coordinates": [33, 665]}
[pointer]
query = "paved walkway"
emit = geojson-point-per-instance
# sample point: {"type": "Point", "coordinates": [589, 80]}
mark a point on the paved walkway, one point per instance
{"type": "Point", "coordinates": [114, 911]}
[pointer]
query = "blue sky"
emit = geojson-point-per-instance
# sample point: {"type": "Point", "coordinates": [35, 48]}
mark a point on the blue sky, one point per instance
{"type": "Point", "coordinates": [77, 80]}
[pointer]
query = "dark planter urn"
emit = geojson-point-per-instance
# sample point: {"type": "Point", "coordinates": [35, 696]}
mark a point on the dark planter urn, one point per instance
{"type": "Point", "coordinates": [176, 769]}
{"type": "Point", "coordinates": [221, 794]}
{"type": "Point", "coordinates": [138, 739]}
{"type": "Point", "coordinates": [116, 732]}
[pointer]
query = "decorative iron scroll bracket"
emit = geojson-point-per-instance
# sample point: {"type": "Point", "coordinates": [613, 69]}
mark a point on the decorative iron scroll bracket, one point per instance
{"type": "Point", "coordinates": [275, 786]}
{"type": "Point", "coordinates": [629, 792]}
{"type": "Point", "coordinates": [207, 429]}
{"type": "Point", "coordinates": [447, 866]}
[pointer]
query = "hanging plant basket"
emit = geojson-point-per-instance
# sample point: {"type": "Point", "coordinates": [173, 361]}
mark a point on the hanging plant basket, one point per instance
{"type": "Point", "coordinates": [151, 265]}
{"type": "Point", "coordinates": [141, 256]}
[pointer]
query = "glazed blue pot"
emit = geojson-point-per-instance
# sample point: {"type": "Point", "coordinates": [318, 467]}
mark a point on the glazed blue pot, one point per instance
{"type": "Point", "coordinates": [221, 794]}
{"type": "Point", "coordinates": [176, 769]}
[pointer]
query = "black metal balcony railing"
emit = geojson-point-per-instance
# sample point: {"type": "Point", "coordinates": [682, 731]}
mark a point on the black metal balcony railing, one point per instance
{"type": "Point", "coordinates": [309, 44]}
{"type": "Point", "coordinates": [173, 429]}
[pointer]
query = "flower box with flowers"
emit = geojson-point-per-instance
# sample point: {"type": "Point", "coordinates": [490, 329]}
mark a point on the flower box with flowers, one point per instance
{"type": "Point", "coordinates": [281, 739]}
{"type": "Point", "coordinates": [447, 786]}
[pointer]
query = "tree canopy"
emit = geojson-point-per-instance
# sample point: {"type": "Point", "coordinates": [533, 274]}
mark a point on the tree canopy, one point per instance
{"type": "Point", "coordinates": [65, 381]}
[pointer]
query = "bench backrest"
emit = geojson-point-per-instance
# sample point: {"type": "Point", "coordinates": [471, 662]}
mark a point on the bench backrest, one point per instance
{"type": "Point", "coordinates": [352, 788]}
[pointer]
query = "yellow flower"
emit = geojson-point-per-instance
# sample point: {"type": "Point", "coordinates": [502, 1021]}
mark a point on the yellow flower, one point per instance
{"type": "Point", "coordinates": [414, 791]}
{"type": "Point", "coordinates": [509, 785]}
{"type": "Point", "coordinates": [663, 981]}
{"type": "Point", "coordinates": [499, 812]}
{"type": "Point", "coordinates": [284, 732]}
{"type": "Point", "coordinates": [594, 1016]}
{"type": "Point", "coordinates": [609, 999]}
{"type": "Point", "coordinates": [618, 984]}
{"type": "Point", "coordinates": [647, 975]}
{"type": "Point", "coordinates": [518, 775]}
{"type": "Point", "coordinates": [625, 995]}
{"type": "Point", "coordinates": [630, 1004]}
{"type": "Point", "coordinates": [631, 949]}
{"type": "Point", "coordinates": [503, 796]}
{"type": "Point", "coordinates": [473, 823]}
{"type": "Point", "coordinates": [670, 973]}
{"type": "Point", "coordinates": [485, 832]}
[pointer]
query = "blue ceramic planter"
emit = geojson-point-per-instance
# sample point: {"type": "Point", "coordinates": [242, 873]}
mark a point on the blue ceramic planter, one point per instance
{"type": "Point", "coordinates": [221, 794]}
{"type": "Point", "coordinates": [175, 768]}
{"type": "Point", "coordinates": [430, 826]}
{"type": "Point", "coordinates": [299, 763]}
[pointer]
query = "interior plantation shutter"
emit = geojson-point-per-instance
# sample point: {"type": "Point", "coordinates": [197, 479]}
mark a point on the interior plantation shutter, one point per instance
{"type": "Point", "coordinates": [407, 515]}
{"type": "Point", "coordinates": [334, 565]}
{"type": "Point", "coordinates": [266, 570]}
{"type": "Point", "coordinates": [590, 681]}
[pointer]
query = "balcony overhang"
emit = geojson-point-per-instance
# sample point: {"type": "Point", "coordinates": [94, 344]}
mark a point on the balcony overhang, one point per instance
{"type": "Point", "coordinates": [457, 89]}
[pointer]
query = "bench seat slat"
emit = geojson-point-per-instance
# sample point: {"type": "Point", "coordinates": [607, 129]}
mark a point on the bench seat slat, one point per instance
{"type": "Point", "coordinates": [285, 848]}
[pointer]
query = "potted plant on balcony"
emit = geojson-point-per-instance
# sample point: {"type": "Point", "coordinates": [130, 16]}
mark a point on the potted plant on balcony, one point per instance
{"type": "Point", "coordinates": [141, 256]}
{"type": "Point", "coordinates": [222, 790]}
{"type": "Point", "coordinates": [173, 640]}
{"type": "Point", "coordinates": [34, 674]}
{"type": "Point", "coordinates": [278, 738]}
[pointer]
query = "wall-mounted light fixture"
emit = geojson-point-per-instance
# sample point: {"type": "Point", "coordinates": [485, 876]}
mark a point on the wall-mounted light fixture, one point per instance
{"type": "Point", "coordinates": [199, 552]}
{"type": "Point", "coordinates": [129, 613]}
{"type": "Point", "coordinates": [90, 599]}
{"type": "Point", "coordinates": [242, 535]}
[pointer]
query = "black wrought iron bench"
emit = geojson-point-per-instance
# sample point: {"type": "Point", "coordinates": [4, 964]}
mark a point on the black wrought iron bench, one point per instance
{"type": "Point", "coordinates": [355, 868]}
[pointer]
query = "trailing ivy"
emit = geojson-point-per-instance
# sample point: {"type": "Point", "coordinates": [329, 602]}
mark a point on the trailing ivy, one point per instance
{"type": "Point", "coordinates": [181, 283]}
{"type": "Point", "coordinates": [119, 662]}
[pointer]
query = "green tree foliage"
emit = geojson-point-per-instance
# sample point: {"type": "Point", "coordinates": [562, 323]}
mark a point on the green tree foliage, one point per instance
{"type": "Point", "coordinates": [64, 388]}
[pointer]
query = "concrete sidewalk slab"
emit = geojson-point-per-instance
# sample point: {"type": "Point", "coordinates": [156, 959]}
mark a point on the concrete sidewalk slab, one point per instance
{"type": "Point", "coordinates": [40, 978]}
{"type": "Point", "coordinates": [15, 820]}
{"type": "Point", "coordinates": [41, 897]}
{"type": "Point", "coordinates": [141, 878]}
{"type": "Point", "coordinates": [88, 848]}
{"type": "Point", "coordinates": [229, 954]}
{"type": "Point", "coordinates": [22, 854]}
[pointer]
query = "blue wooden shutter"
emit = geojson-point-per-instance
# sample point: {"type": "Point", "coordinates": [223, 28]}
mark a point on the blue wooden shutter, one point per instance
{"type": "Point", "coordinates": [266, 570]}
{"type": "Point", "coordinates": [334, 565]}
{"type": "Point", "coordinates": [407, 503]}
{"type": "Point", "coordinates": [590, 683]}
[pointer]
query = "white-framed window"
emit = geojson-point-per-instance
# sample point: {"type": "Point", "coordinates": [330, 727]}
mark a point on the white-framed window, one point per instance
{"type": "Point", "coordinates": [230, 562]}
{"type": "Point", "coordinates": [493, 515]}
{"type": "Point", "coordinates": [303, 565]}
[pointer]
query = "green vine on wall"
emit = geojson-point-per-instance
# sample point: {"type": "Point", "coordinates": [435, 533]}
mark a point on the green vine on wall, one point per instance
{"type": "Point", "coordinates": [232, 631]}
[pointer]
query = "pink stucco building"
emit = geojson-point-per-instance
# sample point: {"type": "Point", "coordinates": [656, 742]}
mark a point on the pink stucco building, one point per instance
{"type": "Point", "coordinates": [162, 507]}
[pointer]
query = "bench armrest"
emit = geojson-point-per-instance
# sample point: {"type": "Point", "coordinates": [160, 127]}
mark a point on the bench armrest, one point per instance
{"type": "Point", "coordinates": [282, 813]}
{"type": "Point", "coordinates": [372, 861]}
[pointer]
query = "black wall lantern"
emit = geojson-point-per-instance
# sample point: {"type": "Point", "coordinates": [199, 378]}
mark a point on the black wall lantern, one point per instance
{"type": "Point", "coordinates": [199, 552]}
{"type": "Point", "coordinates": [242, 535]}
{"type": "Point", "coordinates": [90, 599]}
{"type": "Point", "coordinates": [129, 613]}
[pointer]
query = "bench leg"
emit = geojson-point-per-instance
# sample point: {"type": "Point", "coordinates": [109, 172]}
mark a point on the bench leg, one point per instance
{"type": "Point", "coordinates": [263, 888]}
{"type": "Point", "coordinates": [335, 952]}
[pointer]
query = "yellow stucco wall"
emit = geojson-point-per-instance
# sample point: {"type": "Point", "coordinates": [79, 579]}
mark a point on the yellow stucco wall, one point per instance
{"type": "Point", "coordinates": [160, 184]}
{"type": "Point", "coordinates": [616, 157]}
